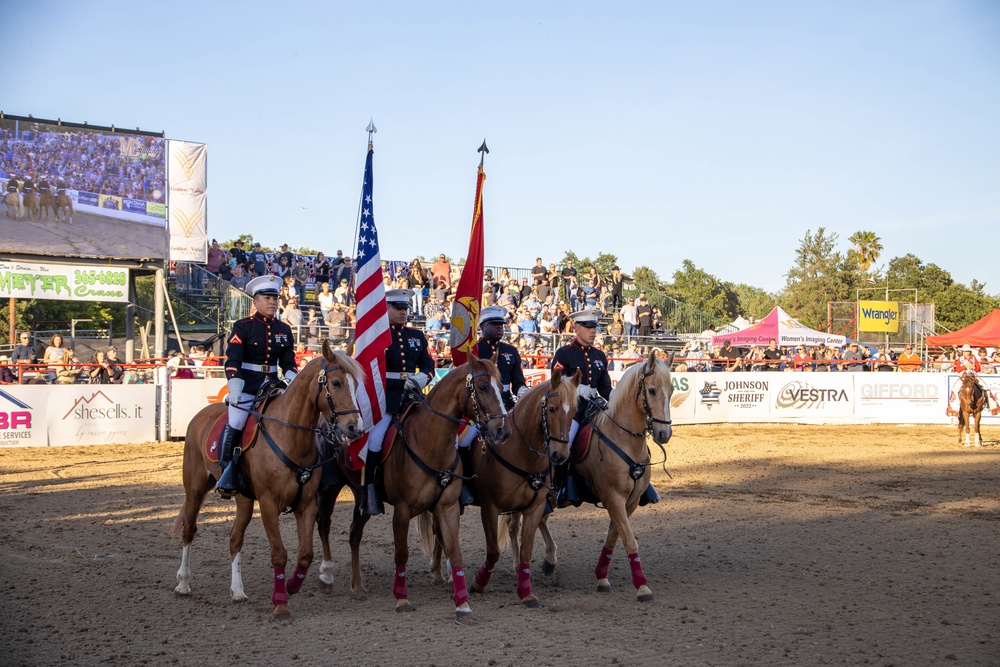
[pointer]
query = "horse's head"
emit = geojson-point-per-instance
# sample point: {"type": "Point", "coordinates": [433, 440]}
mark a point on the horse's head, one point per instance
{"type": "Point", "coordinates": [484, 403]}
{"type": "Point", "coordinates": [646, 389]}
{"type": "Point", "coordinates": [339, 378]}
{"type": "Point", "coordinates": [558, 409]}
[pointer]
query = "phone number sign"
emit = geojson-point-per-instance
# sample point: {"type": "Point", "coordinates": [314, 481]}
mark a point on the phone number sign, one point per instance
{"type": "Point", "coordinates": [23, 280]}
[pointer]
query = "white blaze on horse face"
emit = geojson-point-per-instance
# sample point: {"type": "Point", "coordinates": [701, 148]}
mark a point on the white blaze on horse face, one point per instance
{"type": "Point", "coordinates": [351, 383]}
{"type": "Point", "coordinates": [498, 392]}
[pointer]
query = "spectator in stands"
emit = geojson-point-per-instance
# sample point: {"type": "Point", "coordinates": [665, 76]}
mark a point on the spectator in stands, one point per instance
{"type": "Point", "coordinates": [884, 360]}
{"type": "Point", "coordinates": [819, 354]}
{"type": "Point", "coordinates": [630, 316]}
{"type": "Point", "coordinates": [343, 292]}
{"type": "Point", "coordinates": [239, 280]}
{"type": "Point", "coordinates": [528, 327]}
{"type": "Point", "coordinates": [291, 315]}
{"type": "Point", "coordinates": [326, 299]}
{"type": "Point", "coordinates": [24, 353]}
{"type": "Point", "coordinates": [237, 253]}
{"type": "Point", "coordinates": [800, 358]}
{"type": "Point", "coordinates": [731, 356]}
{"type": "Point", "coordinates": [441, 270]}
{"type": "Point", "coordinates": [259, 258]}
{"type": "Point", "coordinates": [854, 357]}
{"type": "Point", "coordinates": [995, 363]}
{"type": "Point", "coordinates": [418, 282]}
{"type": "Point", "coordinates": [442, 291]}
{"type": "Point", "coordinates": [288, 255]}
{"type": "Point", "coordinates": [344, 271]}
{"type": "Point", "coordinates": [436, 326]}
{"type": "Point", "coordinates": [114, 366]}
{"type": "Point", "coordinates": [539, 274]}
{"type": "Point", "coordinates": [908, 361]}
{"type": "Point", "coordinates": [336, 319]}
{"type": "Point", "coordinates": [616, 283]}
{"type": "Point", "coordinates": [6, 374]}
{"type": "Point", "coordinates": [591, 293]}
{"type": "Point", "coordinates": [645, 316]}
{"type": "Point", "coordinates": [70, 371]}
{"type": "Point", "coordinates": [100, 370]}
{"type": "Point", "coordinates": [568, 275]}
{"type": "Point", "coordinates": [301, 275]}
{"type": "Point", "coordinates": [54, 355]}
{"type": "Point", "coordinates": [216, 256]}
{"type": "Point", "coordinates": [323, 267]}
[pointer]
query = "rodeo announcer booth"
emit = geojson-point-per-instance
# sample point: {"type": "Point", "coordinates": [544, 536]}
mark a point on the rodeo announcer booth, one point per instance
{"type": "Point", "coordinates": [259, 345]}
{"type": "Point", "coordinates": [408, 367]}
{"type": "Point", "coordinates": [491, 326]}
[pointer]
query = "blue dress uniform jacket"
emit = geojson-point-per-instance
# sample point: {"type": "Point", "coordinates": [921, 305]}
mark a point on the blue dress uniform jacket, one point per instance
{"type": "Point", "coordinates": [508, 363]}
{"type": "Point", "coordinates": [593, 365]}
{"type": "Point", "coordinates": [260, 341]}
{"type": "Point", "coordinates": [408, 353]}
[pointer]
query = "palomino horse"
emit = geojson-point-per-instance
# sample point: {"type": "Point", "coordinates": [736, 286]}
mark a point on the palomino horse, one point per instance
{"type": "Point", "coordinates": [64, 207]}
{"type": "Point", "coordinates": [280, 476]}
{"type": "Point", "coordinates": [421, 471]}
{"type": "Point", "coordinates": [12, 201]}
{"type": "Point", "coordinates": [615, 465]}
{"type": "Point", "coordinates": [47, 201]}
{"type": "Point", "coordinates": [971, 399]}
{"type": "Point", "coordinates": [31, 208]}
{"type": "Point", "coordinates": [515, 476]}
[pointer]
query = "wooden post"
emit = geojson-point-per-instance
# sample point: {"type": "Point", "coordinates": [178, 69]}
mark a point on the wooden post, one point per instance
{"type": "Point", "coordinates": [12, 329]}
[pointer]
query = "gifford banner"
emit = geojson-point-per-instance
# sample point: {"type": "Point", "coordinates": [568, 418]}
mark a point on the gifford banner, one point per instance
{"type": "Point", "coordinates": [187, 175]}
{"type": "Point", "coordinates": [65, 282]}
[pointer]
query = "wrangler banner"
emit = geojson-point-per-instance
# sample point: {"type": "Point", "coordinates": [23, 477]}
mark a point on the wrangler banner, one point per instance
{"type": "Point", "coordinates": [67, 282]}
{"type": "Point", "coordinates": [878, 316]}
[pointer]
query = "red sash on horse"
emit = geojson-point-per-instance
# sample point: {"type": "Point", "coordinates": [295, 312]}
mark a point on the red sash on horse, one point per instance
{"type": "Point", "coordinates": [581, 444]}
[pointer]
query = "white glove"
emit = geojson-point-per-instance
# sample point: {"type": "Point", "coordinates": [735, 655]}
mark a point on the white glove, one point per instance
{"type": "Point", "coordinates": [586, 391]}
{"type": "Point", "coordinates": [417, 381]}
{"type": "Point", "coordinates": [289, 376]}
{"type": "Point", "coordinates": [235, 390]}
{"type": "Point", "coordinates": [522, 391]}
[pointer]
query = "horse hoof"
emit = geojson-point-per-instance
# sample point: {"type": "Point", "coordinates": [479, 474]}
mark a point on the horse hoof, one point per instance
{"type": "Point", "coordinates": [240, 597]}
{"type": "Point", "coordinates": [463, 613]}
{"type": "Point", "coordinates": [282, 614]}
{"type": "Point", "coordinates": [531, 602]}
{"type": "Point", "coordinates": [644, 594]}
{"type": "Point", "coordinates": [182, 590]}
{"type": "Point", "coordinates": [603, 586]}
{"type": "Point", "coordinates": [325, 587]}
{"type": "Point", "coordinates": [476, 587]}
{"type": "Point", "coordinates": [360, 594]}
{"type": "Point", "coordinates": [548, 568]}
{"type": "Point", "coordinates": [404, 606]}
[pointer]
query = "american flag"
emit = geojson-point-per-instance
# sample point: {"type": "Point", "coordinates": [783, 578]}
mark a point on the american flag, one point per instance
{"type": "Point", "coordinates": [372, 327]}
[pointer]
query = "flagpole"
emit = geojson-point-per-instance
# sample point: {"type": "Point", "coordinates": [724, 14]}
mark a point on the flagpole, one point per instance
{"type": "Point", "coordinates": [361, 200]}
{"type": "Point", "coordinates": [468, 295]}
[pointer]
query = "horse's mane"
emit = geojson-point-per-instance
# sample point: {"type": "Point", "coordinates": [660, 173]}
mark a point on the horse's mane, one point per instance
{"type": "Point", "coordinates": [567, 392]}
{"type": "Point", "coordinates": [623, 397]}
{"type": "Point", "coordinates": [351, 365]}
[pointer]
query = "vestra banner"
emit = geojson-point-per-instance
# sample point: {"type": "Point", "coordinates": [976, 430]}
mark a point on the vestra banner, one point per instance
{"type": "Point", "coordinates": [878, 316]}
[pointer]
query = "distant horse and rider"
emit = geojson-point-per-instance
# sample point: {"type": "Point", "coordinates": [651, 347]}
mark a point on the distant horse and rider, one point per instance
{"type": "Point", "coordinates": [971, 401]}
{"type": "Point", "coordinates": [279, 467]}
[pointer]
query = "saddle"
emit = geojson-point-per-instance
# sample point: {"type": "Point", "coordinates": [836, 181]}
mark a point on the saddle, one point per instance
{"type": "Point", "coordinates": [265, 395]}
{"type": "Point", "coordinates": [581, 444]}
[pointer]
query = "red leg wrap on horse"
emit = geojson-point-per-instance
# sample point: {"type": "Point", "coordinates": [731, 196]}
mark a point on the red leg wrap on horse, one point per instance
{"type": "Point", "coordinates": [603, 563]}
{"type": "Point", "coordinates": [399, 584]}
{"type": "Point", "coordinates": [638, 577]}
{"type": "Point", "coordinates": [523, 580]}
{"type": "Point", "coordinates": [483, 575]}
{"type": "Point", "coordinates": [294, 584]}
{"type": "Point", "coordinates": [458, 581]}
{"type": "Point", "coordinates": [280, 594]}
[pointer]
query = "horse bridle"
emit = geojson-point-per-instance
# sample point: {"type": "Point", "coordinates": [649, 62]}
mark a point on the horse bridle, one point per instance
{"type": "Point", "coordinates": [480, 420]}
{"type": "Point", "coordinates": [641, 394]}
{"type": "Point", "coordinates": [546, 433]}
{"type": "Point", "coordinates": [329, 430]}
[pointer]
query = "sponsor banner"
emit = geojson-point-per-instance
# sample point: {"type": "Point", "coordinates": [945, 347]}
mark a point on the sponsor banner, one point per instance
{"type": "Point", "coordinates": [23, 411]}
{"type": "Point", "coordinates": [951, 404]}
{"type": "Point", "coordinates": [188, 397]}
{"type": "Point", "coordinates": [134, 206]}
{"type": "Point", "coordinates": [157, 210]}
{"type": "Point", "coordinates": [87, 198]}
{"type": "Point", "coordinates": [65, 282]}
{"type": "Point", "coordinates": [110, 202]}
{"type": "Point", "coordinates": [188, 211]}
{"type": "Point", "coordinates": [880, 316]}
{"type": "Point", "coordinates": [723, 397]}
{"type": "Point", "coordinates": [102, 414]}
{"type": "Point", "coordinates": [912, 398]}
{"type": "Point", "coordinates": [811, 396]}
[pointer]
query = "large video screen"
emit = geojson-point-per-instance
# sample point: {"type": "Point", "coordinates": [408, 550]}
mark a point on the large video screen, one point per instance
{"type": "Point", "coordinates": [78, 191]}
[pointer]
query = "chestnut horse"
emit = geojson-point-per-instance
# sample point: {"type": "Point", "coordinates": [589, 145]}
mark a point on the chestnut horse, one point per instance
{"type": "Point", "coordinates": [14, 205]}
{"type": "Point", "coordinates": [281, 476]}
{"type": "Point", "coordinates": [515, 476]}
{"type": "Point", "coordinates": [971, 399]}
{"type": "Point", "coordinates": [421, 472]}
{"type": "Point", "coordinates": [47, 201]}
{"type": "Point", "coordinates": [616, 466]}
{"type": "Point", "coordinates": [31, 206]}
{"type": "Point", "coordinates": [64, 207]}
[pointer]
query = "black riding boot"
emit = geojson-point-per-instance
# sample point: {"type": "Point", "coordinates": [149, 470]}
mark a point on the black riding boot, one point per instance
{"type": "Point", "coordinates": [229, 459]}
{"type": "Point", "coordinates": [566, 492]}
{"type": "Point", "coordinates": [468, 495]}
{"type": "Point", "coordinates": [649, 496]}
{"type": "Point", "coordinates": [371, 503]}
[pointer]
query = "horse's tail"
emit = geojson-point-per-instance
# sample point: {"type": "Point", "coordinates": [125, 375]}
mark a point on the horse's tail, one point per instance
{"type": "Point", "coordinates": [504, 523]}
{"type": "Point", "coordinates": [425, 529]}
{"type": "Point", "coordinates": [175, 530]}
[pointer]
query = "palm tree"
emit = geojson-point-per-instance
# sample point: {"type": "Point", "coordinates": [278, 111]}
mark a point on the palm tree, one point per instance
{"type": "Point", "coordinates": [867, 247]}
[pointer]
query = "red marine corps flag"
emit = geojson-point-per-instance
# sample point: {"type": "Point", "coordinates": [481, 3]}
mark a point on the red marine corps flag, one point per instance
{"type": "Point", "coordinates": [468, 296]}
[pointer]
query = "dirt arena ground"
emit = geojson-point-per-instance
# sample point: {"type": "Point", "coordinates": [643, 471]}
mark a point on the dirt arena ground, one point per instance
{"type": "Point", "coordinates": [797, 545]}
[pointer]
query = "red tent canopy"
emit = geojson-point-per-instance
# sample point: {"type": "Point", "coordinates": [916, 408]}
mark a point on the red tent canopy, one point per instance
{"type": "Point", "coordinates": [983, 333]}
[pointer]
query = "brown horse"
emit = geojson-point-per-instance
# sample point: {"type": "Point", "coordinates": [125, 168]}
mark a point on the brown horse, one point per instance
{"type": "Point", "coordinates": [616, 464]}
{"type": "Point", "coordinates": [64, 207]}
{"type": "Point", "coordinates": [971, 400]}
{"type": "Point", "coordinates": [12, 201]}
{"type": "Point", "coordinates": [31, 207]}
{"type": "Point", "coordinates": [515, 476]}
{"type": "Point", "coordinates": [421, 472]}
{"type": "Point", "coordinates": [46, 201]}
{"type": "Point", "coordinates": [280, 476]}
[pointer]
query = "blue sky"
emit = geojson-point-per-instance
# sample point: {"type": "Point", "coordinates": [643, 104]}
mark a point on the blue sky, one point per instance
{"type": "Point", "coordinates": [717, 132]}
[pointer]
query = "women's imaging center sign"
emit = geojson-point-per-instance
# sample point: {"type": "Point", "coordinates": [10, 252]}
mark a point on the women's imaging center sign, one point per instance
{"type": "Point", "coordinates": [67, 282]}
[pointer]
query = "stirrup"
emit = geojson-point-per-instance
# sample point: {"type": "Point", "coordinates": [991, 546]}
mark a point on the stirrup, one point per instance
{"type": "Point", "coordinates": [649, 496]}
